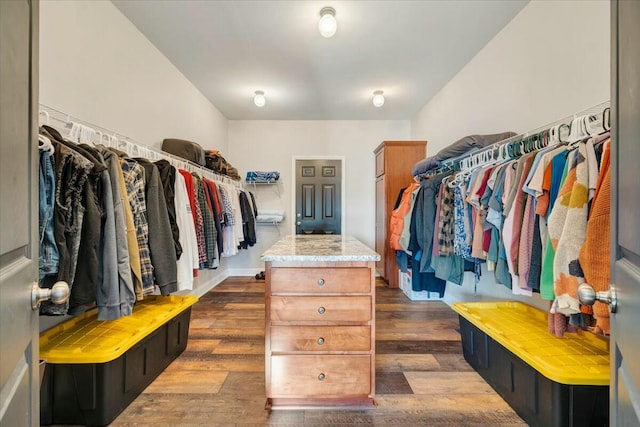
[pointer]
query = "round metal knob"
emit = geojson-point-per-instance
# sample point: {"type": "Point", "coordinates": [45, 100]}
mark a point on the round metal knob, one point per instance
{"type": "Point", "coordinates": [321, 310]}
{"type": "Point", "coordinates": [320, 282]}
{"type": "Point", "coordinates": [321, 377]}
{"type": "Point", "coordinates": [58, 294]}
{"type": "Point", "coordinates": [587, 296]}
{"type": "Point", "coordinates": [320, 341]}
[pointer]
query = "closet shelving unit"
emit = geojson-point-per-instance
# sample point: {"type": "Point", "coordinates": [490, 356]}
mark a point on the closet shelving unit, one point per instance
{"type": "Point", "coordinates": [268, 184]}
{"type": "Point", "coordinates": [479, 157]}
{"type": "Point", "coordinates": [541, 365]}
{"type": "Point", "coordinates": [272, 184]}
{"type": "Point", "coordinates": [275, 224]}
{"type": "Point", "coordinates": [62, 121]}
{"type": "Point", "coordinates": [158, 322]}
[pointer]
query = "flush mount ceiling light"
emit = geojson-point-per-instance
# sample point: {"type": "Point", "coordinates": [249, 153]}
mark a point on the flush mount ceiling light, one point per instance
{"type": "Point", "coordinates": [259, 99]}
{"type": "Point", "coordinates": [328, 24]}
{"type": "Point", "coordinates": [378, 98]}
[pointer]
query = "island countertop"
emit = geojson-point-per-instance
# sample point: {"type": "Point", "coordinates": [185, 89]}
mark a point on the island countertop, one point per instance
{"type": "Point", "coordinates": [314, 247]}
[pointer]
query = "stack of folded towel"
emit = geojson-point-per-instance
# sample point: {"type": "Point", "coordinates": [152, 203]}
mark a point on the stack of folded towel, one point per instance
{"type": "Point", "coordinates": [257, 176]}
{"type": "Point", "coordinates": [266, 215]}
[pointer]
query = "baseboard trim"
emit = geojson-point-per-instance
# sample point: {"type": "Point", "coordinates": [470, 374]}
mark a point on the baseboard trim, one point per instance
{"type": "Point", "coordinates": [244, 271]}
{"type": "Point", "coordinates": [205, 287]}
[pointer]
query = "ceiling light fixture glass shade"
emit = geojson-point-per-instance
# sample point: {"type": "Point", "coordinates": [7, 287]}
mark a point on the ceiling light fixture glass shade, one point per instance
{"type": "Point", "coordinates": [328, 24]}
{"type": "Point", "coordinates": [259, 99]}
{"type": "Point", "coordinates": [378, 98]}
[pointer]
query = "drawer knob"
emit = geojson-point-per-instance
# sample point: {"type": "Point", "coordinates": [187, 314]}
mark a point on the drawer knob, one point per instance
{"type": "Point", "coordinates": [321, 377]}
{"type": "Point", "coordinates": [321, 310]}
{"type": "Point", "coordinates": [320, 282]}
{"type": "Point", "coordinates": [320, 341]}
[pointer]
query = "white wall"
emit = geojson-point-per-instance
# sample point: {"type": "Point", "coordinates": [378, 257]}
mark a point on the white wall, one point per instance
{"type": "Point", "coordinates": [271, 145]}
{"type": "Point", "coordinates": [551, 61]}
{"type": "Point", "coordinates": [96, 65]}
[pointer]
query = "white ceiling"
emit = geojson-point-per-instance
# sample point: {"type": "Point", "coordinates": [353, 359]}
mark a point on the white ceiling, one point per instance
{"type": "Point", "coordinates": [408, 49]}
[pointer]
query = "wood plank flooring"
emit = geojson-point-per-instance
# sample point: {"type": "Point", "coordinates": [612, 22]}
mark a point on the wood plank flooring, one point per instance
{"type": "Point", "coordinates": [422, 377]}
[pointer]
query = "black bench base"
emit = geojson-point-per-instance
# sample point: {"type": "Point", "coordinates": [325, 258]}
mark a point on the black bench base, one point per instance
{"type": "Point", "coordinates": [94, 394]}
{"type": "Point", "coordinates": [537, 399]}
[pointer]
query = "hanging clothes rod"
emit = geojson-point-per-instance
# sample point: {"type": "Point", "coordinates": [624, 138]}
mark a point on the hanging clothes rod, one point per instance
{"type": "Point", "coordinates": [460, 162]}
{"type": "Point", "coordinates": [124, 143]}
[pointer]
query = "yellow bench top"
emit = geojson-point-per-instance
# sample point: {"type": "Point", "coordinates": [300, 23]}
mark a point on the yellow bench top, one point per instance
{"type": "Point", "coordinates": [85, 339]}
{"type": "Point", "coordinates": [580, 358]}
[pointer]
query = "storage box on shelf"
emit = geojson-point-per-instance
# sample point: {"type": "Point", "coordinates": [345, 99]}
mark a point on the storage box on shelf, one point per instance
{"type": "Point", "coordinates": [548, 381]}
{"type": "Point", "coordinates": [405, 279]}
{"type": "Point", "coordinates": [96, 368]}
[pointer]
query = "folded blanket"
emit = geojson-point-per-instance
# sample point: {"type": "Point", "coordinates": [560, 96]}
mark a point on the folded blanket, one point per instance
{"type": "Point", "coordinates": [471, 143]}
{"type": "Point", "coordinates": [257, 176]}
{"type": "Point", "coordinates": [425, 165]}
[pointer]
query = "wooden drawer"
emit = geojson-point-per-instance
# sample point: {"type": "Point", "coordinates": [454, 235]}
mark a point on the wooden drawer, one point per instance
{"type": "Point", "coordinates": [320, 338]}
{"type": "Point", "coordinates": [321, 309]}
{"type": "Point", "coordinates": [321, 280]}
{"type": "Point", "coordinates": [379, 163]}
{"type": "Point", "coordinates": [320, 375]}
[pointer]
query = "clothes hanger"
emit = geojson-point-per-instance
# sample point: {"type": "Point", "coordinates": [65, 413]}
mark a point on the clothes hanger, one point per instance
{"type": "Point", "coordinates": [545, 139]}
{"type": "Point", "coordinates": [576, 130]}
{"type": "Point", "coordinates": [44, 144]}
{"type": "Point", "coordinates": [46, 116]}
{"type": "Point", "coordinates": [553, 135]}
{"type": "Point", "coordinates": [606, 119]}
{"type": "Point", "coordinates": [595, 124]}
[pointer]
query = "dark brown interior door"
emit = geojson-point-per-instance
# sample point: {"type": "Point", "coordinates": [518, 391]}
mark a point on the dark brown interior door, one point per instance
{"type": "Point", "coordinates": [318, 196]}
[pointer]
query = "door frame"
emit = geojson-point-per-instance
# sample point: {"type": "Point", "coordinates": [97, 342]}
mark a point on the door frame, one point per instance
{"type": "Point", "coordinates": [342, 160]}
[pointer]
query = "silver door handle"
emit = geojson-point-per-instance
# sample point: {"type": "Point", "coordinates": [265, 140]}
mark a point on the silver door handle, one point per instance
{"type": "Point", "coordinates": [298, 222]}
{"type": "Point", "coordinates": [58, 294]}
{"type": "Point", "coordinates": [587, 296]}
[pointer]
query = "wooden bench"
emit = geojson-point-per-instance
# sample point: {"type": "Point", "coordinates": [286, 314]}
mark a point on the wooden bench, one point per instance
{"type": "Point", "coordinates": [96, 368]}
{"type": "Point", "coordinates": [548, 381]}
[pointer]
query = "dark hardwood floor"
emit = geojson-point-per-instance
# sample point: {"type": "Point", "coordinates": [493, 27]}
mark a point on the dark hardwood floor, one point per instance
{"type": "Point", "coordinates": [422, 377]}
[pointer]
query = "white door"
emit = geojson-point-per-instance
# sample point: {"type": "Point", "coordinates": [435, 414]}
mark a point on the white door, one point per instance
{"type": "Point", "coordinates": [19, 379]}
{"type": "Point", "coordinates": [625, 203]}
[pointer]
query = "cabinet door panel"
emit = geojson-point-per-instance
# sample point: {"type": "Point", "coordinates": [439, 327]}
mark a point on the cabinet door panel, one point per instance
{"type": "Point", "coordinates": [381, 227]}
{"type": "Point", "coordinates": [379, 163]}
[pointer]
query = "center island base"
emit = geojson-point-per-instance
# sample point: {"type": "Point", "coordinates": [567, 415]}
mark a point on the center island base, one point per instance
{"type": "Point", "coordinates": [301, 403]}
{"type": "Point", "coordinates": [320, 323]}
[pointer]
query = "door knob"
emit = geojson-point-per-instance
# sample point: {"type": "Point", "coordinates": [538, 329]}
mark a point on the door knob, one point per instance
{"type": "Point", "coordinates": [587, 296]}
{"type": "Point", "coordinates": [298, 222]}
{"type": "Point", "coordinates": [58, 294]}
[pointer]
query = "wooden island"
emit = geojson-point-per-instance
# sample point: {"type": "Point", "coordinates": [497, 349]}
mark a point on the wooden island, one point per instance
{"type": "Point", "coordinates": [320, 322]}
